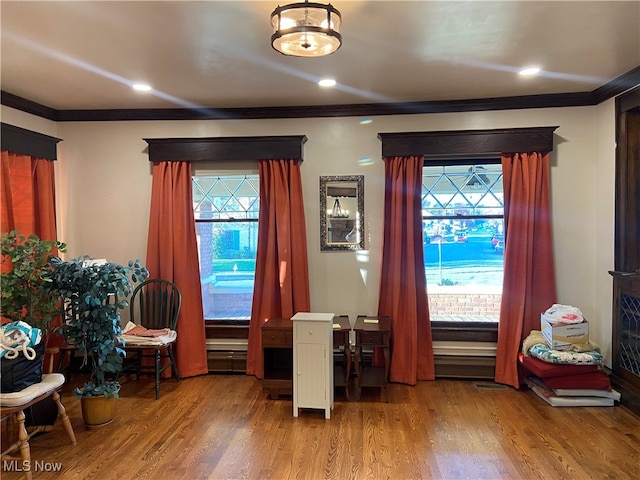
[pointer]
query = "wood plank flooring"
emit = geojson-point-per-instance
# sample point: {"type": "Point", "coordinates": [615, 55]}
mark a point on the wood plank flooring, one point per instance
{"type": "Point", "coordinates": [226, 427]}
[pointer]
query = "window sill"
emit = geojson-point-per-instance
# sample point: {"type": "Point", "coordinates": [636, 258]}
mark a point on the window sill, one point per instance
{"type": "Point", "coordinates": [226, 330]}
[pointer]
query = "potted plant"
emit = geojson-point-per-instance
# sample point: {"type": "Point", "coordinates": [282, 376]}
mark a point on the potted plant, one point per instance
{"type": "Point", "coordinates": [93, 293]}
{"type": "Point", "coordinates": [24, 296]}
{"type": "Point", "coordinates": [26, 265]}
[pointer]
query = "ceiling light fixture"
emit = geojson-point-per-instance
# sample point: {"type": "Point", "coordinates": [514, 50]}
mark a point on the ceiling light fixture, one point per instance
{"type": "Point", "coordinates": [306, 29]}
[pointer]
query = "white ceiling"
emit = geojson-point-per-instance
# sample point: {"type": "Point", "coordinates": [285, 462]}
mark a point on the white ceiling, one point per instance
{"type": "Point", "coordinates": [86, 54]}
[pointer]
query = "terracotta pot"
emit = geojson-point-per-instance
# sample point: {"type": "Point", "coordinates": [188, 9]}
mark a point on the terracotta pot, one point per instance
{"type": "Point", "coordinates": [98, 411]}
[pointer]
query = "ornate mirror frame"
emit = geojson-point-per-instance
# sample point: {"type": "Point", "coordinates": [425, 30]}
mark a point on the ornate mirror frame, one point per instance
{"type": "Point", "coordinates": [342, 213]}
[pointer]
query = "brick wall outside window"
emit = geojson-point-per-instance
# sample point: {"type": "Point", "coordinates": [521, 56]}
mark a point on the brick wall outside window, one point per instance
{"type": "Point", "coordinates": [451, 306]}
{"type": "Point", "coordinates": [442, 306]}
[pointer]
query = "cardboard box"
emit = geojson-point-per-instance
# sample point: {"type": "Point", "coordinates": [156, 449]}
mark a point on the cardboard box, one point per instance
{"type": "Point", "coordinates": [561, 335]}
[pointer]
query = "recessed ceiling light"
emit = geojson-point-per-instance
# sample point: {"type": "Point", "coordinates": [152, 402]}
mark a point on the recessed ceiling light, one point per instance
{"type": "Point", "coordinates": [141, 87]}
{"type": "Point", "coordinates": [327, 82]}
{"type": "Point", "coordinates": [529, 71]}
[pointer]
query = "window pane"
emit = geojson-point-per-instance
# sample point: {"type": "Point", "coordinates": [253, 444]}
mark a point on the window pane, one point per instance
{"type": "Point", "coordinates": [467, 254]}
{"type": "Point", "coordinates": [462, 211]}
{"type": "Point", "coordinates": [226, 197]}
{"type": "Point", "coordinates": [226, 209]}
{"type": "Point", "coordinates": [462, 190]}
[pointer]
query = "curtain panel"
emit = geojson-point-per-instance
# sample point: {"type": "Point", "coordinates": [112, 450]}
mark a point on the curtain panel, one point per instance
{"type": "Point", "coordinates": [282, 272]}
{"type": "Point", "coordinates": [28, 201]}
{"type": "Point", "coordinates": [172, 254]}
{"type": "Point", "coordinates": [403, 291]}
{"type": "Point", "coordinates": [529, 285]}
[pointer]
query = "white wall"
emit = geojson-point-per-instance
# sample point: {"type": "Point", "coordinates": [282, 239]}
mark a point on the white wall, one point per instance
{"type": "Point", "coordinates": [603, 224]}
{"type": "Point", "coordinates": [30, 122]}
{"type": "Point", "coordinates": [105, 180]}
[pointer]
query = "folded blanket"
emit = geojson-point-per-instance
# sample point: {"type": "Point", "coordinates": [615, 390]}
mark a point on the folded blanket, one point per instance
{"type": "Point", "coordinates": [589, 346]}
{"type": "Point", "coordinates": [136, 341]}
{"type": "Point", "coordinates": [546, 354]}
{"type": "Point", "coordinates": [140, 331]}
{"type": "Point", "coordinates": [534, 338]}
{"type": "Point", "coordinates": [135, 335]}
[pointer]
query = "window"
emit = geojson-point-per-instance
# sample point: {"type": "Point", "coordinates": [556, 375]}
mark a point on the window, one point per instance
{"type": "Point", "coordinates": [226, 209]}
{"type": "Point", "coordinates": [463, 227]}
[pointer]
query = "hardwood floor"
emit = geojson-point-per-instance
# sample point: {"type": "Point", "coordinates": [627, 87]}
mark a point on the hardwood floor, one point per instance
{"type": "Point", "coordinates": [225, 427]}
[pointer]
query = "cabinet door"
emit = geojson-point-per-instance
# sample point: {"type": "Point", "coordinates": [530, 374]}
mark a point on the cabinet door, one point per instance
{"type": "Point", "coordinates": [311, 375]}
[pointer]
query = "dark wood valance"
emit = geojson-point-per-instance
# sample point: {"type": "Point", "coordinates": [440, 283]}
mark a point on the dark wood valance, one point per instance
{"type": "Point", "coordinates": [214, 149]}
{"type": "Point", "coordinates": [468, 142]}
{"type": "Point", "coordinates": [25, 142]}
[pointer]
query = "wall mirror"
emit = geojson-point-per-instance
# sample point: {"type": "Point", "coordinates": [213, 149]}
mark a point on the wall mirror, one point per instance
{"type": "Point", "coordinates": [342, 213]}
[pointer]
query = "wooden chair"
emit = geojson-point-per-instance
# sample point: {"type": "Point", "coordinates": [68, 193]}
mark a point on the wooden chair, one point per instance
{"type": "Point", "coordinates": [12, 405]}
{"type": "Point", "coordinates": [154, 308]}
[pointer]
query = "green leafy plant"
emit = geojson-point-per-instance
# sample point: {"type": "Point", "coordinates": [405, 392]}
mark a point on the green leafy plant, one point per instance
{"type": "Point", "coordinates": [25, 281]}
{"type": "Point", "coordinates": [93, 294]}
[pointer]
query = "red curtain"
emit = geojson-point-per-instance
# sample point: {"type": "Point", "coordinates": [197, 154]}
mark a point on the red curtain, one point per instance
{"type": "Point", "coordinates": [282, 272]}
{"type": "Point", "coordinates": [529, 286]}
{"type": "Point", "coordinates": [28, 202]}
{"type": "Point", "coordinates": [403, 291]}
{"type": "Point", "coordinates": [172, 254]}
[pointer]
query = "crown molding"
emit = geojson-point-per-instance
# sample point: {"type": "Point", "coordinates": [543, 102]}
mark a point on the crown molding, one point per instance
{"type": "Point", "coordinates": [10, 100]}
{"type": "Point", "coordinates": [625, 82]}
{"type": "Point", "coordinates": [611, 89]}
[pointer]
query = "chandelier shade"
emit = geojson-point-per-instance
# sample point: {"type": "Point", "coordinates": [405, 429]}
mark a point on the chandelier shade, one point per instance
{"type": "Point", "coordinates": [306, 29]}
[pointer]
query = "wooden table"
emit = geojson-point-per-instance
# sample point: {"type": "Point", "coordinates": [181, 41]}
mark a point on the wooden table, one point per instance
{"type": "Point", "coordinates": [277, 356]}
{"type": "Point", "coordinates": [342, 369]}
{"type": "Point", "coordinates": [372, 332]}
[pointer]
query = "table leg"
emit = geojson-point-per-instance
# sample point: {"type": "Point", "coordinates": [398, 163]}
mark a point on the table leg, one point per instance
{"type": "Point", "coordinates": [357, 370]}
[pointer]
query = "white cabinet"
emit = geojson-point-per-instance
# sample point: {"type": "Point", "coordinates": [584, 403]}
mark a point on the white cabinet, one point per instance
{"type": "Point", "coordinates": [313, 361]}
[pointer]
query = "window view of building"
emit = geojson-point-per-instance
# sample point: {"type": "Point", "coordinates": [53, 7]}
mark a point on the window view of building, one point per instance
{"type": "Point", "coordinates": [226, 212]}
{"type": "Point", "coordinates": [463, 227]}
